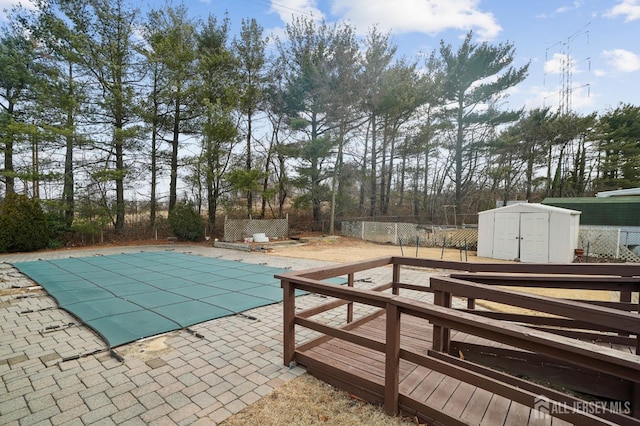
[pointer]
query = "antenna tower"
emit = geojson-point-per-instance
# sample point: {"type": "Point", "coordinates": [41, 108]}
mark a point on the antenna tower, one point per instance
{"type": "Point", "coordinates": [567, 66]}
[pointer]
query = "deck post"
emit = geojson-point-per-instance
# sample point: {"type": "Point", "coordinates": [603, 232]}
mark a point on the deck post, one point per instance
{"type": "Point", "coordinates": [289, 314]}
{"type": "Point", "coordinates": [396, 279]}
{"type": "Point", "coordinates": [635, 400]}
{"type": "Point", "coordinates": [350, 305]}
{"type": "Point", "coordinates": [392, 360]}
{"type": "Point", "coordinates": [441, 335]}
{"type": "Point", "coordinates": [625, 297]}
{"type": "Point", "coordinates": [471, 303]}
{"type": "Point", "coordinates": [638, 338]}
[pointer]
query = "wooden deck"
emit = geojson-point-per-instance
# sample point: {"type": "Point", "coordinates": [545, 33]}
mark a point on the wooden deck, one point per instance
{"type": "Point", "coordinates": [462, 367]}
{"type": "Point", "coordinates": [361, 371]}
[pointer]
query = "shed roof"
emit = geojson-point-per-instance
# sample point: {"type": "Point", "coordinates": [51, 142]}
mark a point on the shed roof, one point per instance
{"type": "Point", "coordinates": [531, 208]}
{"type": "Point", "coordinates": [629, 199]}
{"type": "Point", "coordinates": [618, 192]}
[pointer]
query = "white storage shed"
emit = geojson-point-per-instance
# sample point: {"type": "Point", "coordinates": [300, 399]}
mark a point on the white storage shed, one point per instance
{"type": "Point", "coordinates": [534, 233]}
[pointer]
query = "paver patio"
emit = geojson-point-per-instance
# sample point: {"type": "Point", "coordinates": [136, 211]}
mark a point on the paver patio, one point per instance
{"type": "Point", "coordinates": [55, 371]}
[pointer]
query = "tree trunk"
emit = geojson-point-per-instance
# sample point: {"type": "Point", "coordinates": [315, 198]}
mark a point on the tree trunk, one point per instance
{"type": "Point", "coordinates": [529, 174]}
{"type": "Point", "coordinates": [403, 171]}
{"type": "Point", "coordinates": [363, 174]}
{"type": "Point", "coordinates": [315, 173]}
{"type": "Point", "coordinates": [282, 190]}
{"type": "Point", "coordinates": [35, 166]}
{"type": "Point", "coordinates": [458, 153]}
{"type": "Point", "coordinates": [248, 164]}
{"type": "Point", "coordinates": [549, 160]}
{"type": "Point", "coordinates": [265, 187]}
{"type": "Point", "coordinates": [173, 185]}
{"type": "Point", "coordinates": [374, 189]}
{"type": "Point", "coordinates": [383, 169]}
{"type": "Point", "coordinates": [9, 180]}
{"type": "Point", "coordinates": [154, 155]}
{"type": "Point", "coordinates": [392, 153]}
{"type": "Point", "coordinates": [119, 177]}
{"type": "Point", "coordinates": [212, 187]}
{"type": "Point", "coordinates": [68, 186]}
{"type": "Point", "coordinates": [336, 178]}
{"type": "Point", "coordinates": [68, 189]}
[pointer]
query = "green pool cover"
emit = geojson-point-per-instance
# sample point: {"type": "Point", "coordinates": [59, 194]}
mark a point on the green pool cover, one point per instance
{"type": "Point", "coordinates": [127, 297]}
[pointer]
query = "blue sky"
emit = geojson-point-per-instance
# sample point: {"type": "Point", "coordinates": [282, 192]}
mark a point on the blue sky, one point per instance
{"type": "Point", "coordinates": [590, 45]}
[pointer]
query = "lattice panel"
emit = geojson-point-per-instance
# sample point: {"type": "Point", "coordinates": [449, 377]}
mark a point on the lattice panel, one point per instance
{"type": "Point", "coordinates": [239, 229]}
{"type": "Point", "coordinates": [410, 234]}
{"type": "Point", "coordinates": [610, 243]}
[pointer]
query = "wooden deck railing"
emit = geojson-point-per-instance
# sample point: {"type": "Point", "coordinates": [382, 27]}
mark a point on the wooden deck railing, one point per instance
{"type": "Point", "coordinates": [618, 364]}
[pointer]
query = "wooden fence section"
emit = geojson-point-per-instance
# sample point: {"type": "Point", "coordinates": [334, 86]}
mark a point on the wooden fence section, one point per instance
{"type": "Point", "coordinates": [523, 359]}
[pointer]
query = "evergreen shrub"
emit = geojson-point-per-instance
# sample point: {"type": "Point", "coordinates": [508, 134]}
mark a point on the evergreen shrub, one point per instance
{"type": "Point", "coordinates": [186, 223]}
{"type": "Point", "coordinates": [23, 225]}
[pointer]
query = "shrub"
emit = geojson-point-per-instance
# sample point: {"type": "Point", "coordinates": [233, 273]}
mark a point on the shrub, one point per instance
{"type": "Point", "coordinates": [185, 222]}
{"type": "Point", "coordinates": [23, 224]}
{"type": "Point", "coordinates": [59, 231]}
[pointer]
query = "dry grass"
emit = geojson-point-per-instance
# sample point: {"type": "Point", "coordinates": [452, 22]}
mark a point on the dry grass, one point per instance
{"type": "Point", "coordinates": [309, 401]}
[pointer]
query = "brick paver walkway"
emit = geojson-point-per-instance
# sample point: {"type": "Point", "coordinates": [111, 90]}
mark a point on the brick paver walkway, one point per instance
{"type": "Point", "coordinates": [55, 371]}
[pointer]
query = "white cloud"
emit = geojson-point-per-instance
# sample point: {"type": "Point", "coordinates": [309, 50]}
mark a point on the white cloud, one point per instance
{"type": "Point", "coordinates": [575, 5]}
{"type": "Point", "coordinates": [622, 60]}
{"type": "Point", "coordinates": [276, 33]}
{"type": "Point", "coordinates": [581, 98]}
{"type": "Point", "coordinates": [562, 9]}
{"type": "Point", "coordinates": [630, 9]}
{"type": "Point", "coordinates": [599, 73]}
{"type": "Point", "coordinates": [559, 63]}
{"type": "Point", "coordinates": [287, 9]}
{"type": "Point", "coordinates": [540, 97]}
{"type": "Point", "coordinates": [424, 16]}
{"type": "Point", "coordinates": [7, 5]}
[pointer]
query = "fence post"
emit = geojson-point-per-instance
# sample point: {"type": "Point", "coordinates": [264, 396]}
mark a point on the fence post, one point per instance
{"type": "Point", "coordinates": [618, 245]}
{"type": "Point", "coordinates": [362, 232]}
{"type": "Point", "coordinates": [395, 242]}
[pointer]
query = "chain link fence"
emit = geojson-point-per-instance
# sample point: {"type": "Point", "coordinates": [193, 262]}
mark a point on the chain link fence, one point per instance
{"type": "Point", "coordinates": [409, 234]}
{"type": "Point", "coordinates": [616, 244]}
{"type": "Point", "coordinates": [238, 229]}
{"type": "Point", "coordinates": [610, 243]}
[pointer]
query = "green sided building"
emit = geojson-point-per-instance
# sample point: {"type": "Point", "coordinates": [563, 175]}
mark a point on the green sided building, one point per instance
{"type": "Point", "coordinates": [602, 211]}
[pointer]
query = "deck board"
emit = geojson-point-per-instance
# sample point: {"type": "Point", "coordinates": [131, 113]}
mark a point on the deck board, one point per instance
{"type": "Point", "coordinates": [518, 415]}
{"type": "Point", "coordinates": [498, 412]}
{"type": "Point", "coordinates": [427, 386]}
{"type": "Point", "coordinates": [443, 392]}
{"type": "Point", "coordinates": [459, 397]}
{"type": "Point", "coordinates": [452, 397]}
{"type": "Point", "coordinates": [410, 383]}
{"type": "Point", "coordinates": [477, 406]}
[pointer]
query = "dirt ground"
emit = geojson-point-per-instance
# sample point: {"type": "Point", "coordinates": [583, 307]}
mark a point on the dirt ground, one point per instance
{"type": "Point", "coordinates": [342, 249]}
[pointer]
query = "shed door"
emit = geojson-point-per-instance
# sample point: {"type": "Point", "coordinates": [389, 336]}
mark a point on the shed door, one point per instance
{"type": "Point", "coordinates": [506, 236]}
{"type": "Point", "coordinates": [534, 237]}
